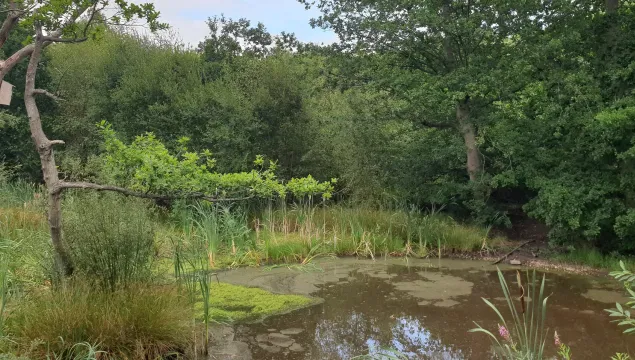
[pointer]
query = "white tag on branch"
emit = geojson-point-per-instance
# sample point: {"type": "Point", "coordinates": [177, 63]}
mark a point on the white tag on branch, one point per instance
{"type": "Point", "coordinates": [6, 90]}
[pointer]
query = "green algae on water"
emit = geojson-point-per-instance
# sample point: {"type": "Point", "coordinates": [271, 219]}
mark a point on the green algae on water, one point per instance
{"type": "Point", "coordinates": [233, 303]}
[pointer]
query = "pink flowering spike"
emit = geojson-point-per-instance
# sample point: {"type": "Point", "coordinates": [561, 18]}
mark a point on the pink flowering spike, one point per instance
{"type": "Point", "coordinates": [556, 338]}
{"type": "Point", "coordinates": [504, 333]}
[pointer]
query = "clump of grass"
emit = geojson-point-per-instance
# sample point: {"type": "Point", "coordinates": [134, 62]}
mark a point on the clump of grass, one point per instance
{"type": "Point", "coordinates": [139, 322]}
{"type": "Point", "coordinates": [234, 303]}
{"type": "Point", "coordinates": [110, 244]}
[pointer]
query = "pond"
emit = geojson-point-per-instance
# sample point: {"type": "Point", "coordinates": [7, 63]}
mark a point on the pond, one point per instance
{"type": "Point", "coordinates": [422, 308]}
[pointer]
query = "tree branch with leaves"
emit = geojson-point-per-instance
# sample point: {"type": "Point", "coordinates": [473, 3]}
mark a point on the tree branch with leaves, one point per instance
{"type": "Point", "coordinates": [143, 169]}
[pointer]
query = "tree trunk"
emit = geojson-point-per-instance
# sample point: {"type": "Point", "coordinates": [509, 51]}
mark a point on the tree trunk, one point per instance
{"type": "Point", "coordinates": [612, 6]}
{"type": "Point", "coordinates": [469, 136]}
{"type": "Point", "coordinates": [44, 148]}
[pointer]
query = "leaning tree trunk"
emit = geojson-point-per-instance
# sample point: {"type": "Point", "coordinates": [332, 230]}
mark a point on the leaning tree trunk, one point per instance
{"type": "Point", "coordinates": [44, 148]}
{"type": "Point", "coordinates": [612, 6]}
{"type": "Point", "coordinates": [469, 137]}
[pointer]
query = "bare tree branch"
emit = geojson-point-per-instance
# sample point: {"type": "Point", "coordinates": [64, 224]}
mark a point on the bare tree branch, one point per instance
{"type": "Point", "coordinates": [51, 39]}
{"type": "Point", "coordinates": [23, 53]}
{"type": "Point", "coordinates": [46, 93]}
{"type": "Point", "coordinates": [13, 15]}
{"type": "Point", "coordinates": [93, 12]}
{"type": "Point", "coordinates": [44, 148]}
{"type": "Point", "coordinates": [13, 60]}
{"type": "Point", "coordinates": [192, 196]}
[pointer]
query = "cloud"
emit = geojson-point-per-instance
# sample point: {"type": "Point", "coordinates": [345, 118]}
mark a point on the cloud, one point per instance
{"type": "Point", "coordinates": [187, 17]}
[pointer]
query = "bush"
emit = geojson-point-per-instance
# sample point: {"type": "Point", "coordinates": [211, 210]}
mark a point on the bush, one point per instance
{"type": "Point", "coordinates": [110, 244]}
{"type": "Point", "coordinates": [139, 322]}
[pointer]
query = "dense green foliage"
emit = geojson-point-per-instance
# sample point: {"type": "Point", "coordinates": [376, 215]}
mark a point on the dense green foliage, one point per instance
{"type": "Point", "coordinates": [546, 88]}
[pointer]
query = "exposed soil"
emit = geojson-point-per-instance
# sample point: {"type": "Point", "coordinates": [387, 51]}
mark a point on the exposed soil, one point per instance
{"type": "Point", "coordinates": [536, 253]}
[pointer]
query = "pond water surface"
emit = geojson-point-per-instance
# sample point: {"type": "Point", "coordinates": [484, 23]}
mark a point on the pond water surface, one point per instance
{"type": "Point", "coordinates": [421, 308]}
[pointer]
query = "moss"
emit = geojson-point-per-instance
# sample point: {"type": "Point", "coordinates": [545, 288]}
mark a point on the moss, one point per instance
{"type": "Point", "coordinates": [239, 304]}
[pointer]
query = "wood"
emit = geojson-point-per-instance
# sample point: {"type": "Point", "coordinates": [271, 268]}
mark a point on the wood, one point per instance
{"type": "Point", "coordinates": [6, 91]}
{"type": "Point", "coordinates": [612, 6]}
{"type": "Point", "coordinates": [128, 192]}
{"type": "Point", "coordinates": [511, 252]}
{"type": "Point", "coordinates": [473, 163]}
{"type": "Point", "coordinates": [13, 15]}
{"type": "Point", "coordinates": [44, 148]}
{"type": "Point", "coordinates": [7, 65]}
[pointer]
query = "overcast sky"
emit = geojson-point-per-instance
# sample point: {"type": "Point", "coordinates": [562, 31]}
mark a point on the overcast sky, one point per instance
{"type": "Point", "coordinates": [187, 17]}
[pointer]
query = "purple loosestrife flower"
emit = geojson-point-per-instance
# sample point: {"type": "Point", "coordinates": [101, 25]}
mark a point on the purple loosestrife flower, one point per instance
{"type": "Point", "coordinates": [556, 338]}
{"type": "Point", "coordinates": [504, 333]}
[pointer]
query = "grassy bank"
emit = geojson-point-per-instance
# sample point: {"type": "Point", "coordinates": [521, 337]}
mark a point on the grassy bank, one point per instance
{"type": "Point", "coordinates": [151, 269]}
{"type": "Point", "coordinates": [138, 266]}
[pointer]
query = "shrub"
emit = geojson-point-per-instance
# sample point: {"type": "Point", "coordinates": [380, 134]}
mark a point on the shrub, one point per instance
{"type": "Point", "coordinates": [110, 244]}
{"type": "Point", "coordinates": [138, 322]}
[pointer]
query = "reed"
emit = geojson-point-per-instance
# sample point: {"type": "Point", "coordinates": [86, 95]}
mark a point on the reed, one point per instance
{"type": "Point", "coordinates": [524, 336]}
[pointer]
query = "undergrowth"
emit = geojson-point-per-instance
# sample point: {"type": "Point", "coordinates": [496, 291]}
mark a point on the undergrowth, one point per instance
{"type": "Point", "coordinates": [140, 322]}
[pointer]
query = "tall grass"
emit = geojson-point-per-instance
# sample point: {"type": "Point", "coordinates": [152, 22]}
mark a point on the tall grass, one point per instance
{"type": "Point", "coordinates": [138, 322]}
{"type": "Point", "coordinates": [4, 292]}
{"type": "Point", "coordinates": [24, 239]}
{"type": "Point", "coordinates": [110, 244]}
{"type": "Point", "coordinates": [18, 194]}
{"type": "Point", "coordinates": [366, 232]}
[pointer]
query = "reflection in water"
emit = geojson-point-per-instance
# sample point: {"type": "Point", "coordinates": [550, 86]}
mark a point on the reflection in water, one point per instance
{"type": "Point", "coordinates": [367, 313]}
{"type": "Point", "coordinates": [341, 339]}
{"type": "Point", "coordinates": [409, 333]}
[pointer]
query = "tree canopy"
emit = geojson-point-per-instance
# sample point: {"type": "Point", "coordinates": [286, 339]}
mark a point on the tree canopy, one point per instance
{"type": "Point", "coordinates": [494, 109]}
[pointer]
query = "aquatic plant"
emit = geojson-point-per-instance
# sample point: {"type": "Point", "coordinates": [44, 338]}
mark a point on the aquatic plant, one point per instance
{"type": "Point", "coordinates": [564, 351]}
{"type": "Point", "coordinates": [208, 233]}
{"type": "Point", "coordinates": [232, 303]}
{"type": "Point", "coordinates": [524, 336]}
{"type": "Point", "coordinates": [621, 356]}
{"type": "Point", "coordinates": [623, 312]}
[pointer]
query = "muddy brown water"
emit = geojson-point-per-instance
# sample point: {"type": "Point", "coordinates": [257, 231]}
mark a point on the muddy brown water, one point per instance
{"type": "Point", "coordinates": [421, 308]}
